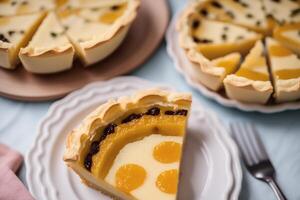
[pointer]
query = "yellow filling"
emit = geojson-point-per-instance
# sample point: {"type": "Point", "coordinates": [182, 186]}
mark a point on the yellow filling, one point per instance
{"type": "Point", "coordinates": [112, 15]}
{"type": "Point", "coordinates": [4, 20]}
{"type": "Point", "coordinates": [167, 152]}
{"type": "Point", "coordinates": [171, 125]}
{"type": "Point", "coordinates": [229, 62]}
{"type": "Point", "coordinates": [67, 12]}
{"type": "Point", "coordinates": [129, 177]}
{"type": "Point", "coordinates": [167, 181]}
{"type": "Point", "coordinates": [288, 73]}
{"type": "Point", "coordinates": [250, 74]}
{"type": "Point", "coordinates": [61, 2]}
{"type": "Point", "coordinates": [279, 51]}
{"type": "Point", "coordinates": [22, 9]}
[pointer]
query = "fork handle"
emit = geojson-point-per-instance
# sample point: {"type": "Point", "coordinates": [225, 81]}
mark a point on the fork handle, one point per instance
{"type": "Point", "coordinates": [275, 187]}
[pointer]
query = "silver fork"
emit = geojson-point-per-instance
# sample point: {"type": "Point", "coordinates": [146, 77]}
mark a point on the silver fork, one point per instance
{"type": "Point", "coordinates": [255, 156]}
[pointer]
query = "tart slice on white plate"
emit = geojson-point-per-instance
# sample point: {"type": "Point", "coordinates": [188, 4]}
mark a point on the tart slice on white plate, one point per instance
{"type": "Point", "coordinates": [97, 32]}
{"type": "Point", "coordinates": [251, 83]}
{"type": "Point", "coordinates": [213, 38]}
{"type": "Point", "coordinates": [130, 148]}
{"type": "Point", "coordinates": [212, 73]}
{"type": "Point", "coordinates": [49, 50]}
{"type": "Point", "coordinates": [15, 31]}
{"type": "Point", "coordinates": [285, 67]}
{"type": "Point", "coordinates": [289, 36]}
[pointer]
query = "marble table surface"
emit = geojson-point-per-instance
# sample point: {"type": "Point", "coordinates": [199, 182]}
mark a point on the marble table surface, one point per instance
{"type": "Point", "coordinates": [280, 132]}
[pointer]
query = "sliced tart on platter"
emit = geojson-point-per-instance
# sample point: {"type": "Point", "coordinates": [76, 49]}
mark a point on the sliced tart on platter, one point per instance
{"type": "Point", "coordinates": [49, 50]}
{"type": "Point", "coordinates": [212, 73]}
{"type": "Point", "coordinates": [104, 28]}
{"type": "Point", "coordinates": [289, 36]}
{"type": "Point", "coordinates": [130, 148]}
{"type": "Point", "coordinates": [15, 31]}
{"type": "Point", "coordinates": [251, 83]}
{"type": "Point", "coordinates": [285, 68]}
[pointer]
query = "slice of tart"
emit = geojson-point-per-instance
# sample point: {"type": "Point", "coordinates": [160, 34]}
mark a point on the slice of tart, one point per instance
{"type": "Point", "coordinates": [104, 29]}
{"type": "Point", "coordinates": [15, 32]}
{"type": "Point", "coordinates": [289, 36]}
{"type": "Point", "coordinates": [49, 50]}
{"type": "Point", "coordinates": [130, 148]}
{"type": "Point", "coordinates": [213, 38]}
{"type": "Point", "coordinates": [282, 11]}
{"type": "Point", "coordinates": [285, 67]}
{"type": "Point", "coordinates": [21, 7]}
{"type": "Point", "coordinates": [212, 73]}
{"type": "Point", "coordinates": [244, 13]}
{"type": "Point", "coordinates": [251, 83]}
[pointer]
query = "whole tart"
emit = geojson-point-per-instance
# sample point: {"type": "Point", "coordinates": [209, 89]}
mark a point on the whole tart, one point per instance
{"type": "Point", "coordinates": [130, 148]}
{"type": "Point", "coordinates": [21, 7]}
{"type": "Point", "coordinates": [251, 83]}
{"type": "Point", "coordinates": [49, 50]}
{"type": "Point", "coordinates": [15, 31]}
{"type": "Point", "coordinates": [104, 28]}
{"type": "Point", "coordinates": [285, 68]}
{"type": "Point", "coordinates": [289, 36]}
{"type": "Point", "coordinates": [213, 38]}
{"type": "Point", "coordinates": [212, 73]}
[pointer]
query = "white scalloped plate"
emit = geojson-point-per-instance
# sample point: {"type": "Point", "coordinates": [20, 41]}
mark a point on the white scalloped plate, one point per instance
{"type": "Point", "coordinates": [211, 168]}
{"type": "Point", "coordinates": [182, 65]}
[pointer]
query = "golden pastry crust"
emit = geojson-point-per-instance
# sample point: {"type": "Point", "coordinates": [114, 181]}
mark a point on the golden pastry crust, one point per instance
{"type": "Point", "coordinates": [112, 110]}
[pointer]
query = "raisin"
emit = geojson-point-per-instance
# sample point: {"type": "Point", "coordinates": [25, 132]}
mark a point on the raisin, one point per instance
{"type": "Point", "coordinates": [131, 117]}
{"type": "Point", "coordinates": [116, 7]}
{"type": "Point", "coordinates": [195, 24]}
{"type": "Point", "coordinates": [153, 111]}
{"type": "Point", "coordinates": [224, 37]}
{"type": "Point", "coordinates": [169, 112]}
{"type": "Point", "coordinates": [110, 128]}
{"type": "Point", "coordinates": [249, 15]}
{"type": "Point", "coordinates": [94, 147]}
{"type": "Point", "coordinates": [10, 33]}
{"type": "Point", "coordinates": [53, 34]}
{"type": "Point", "coordinates": [295, 12]}
{"type": "Point", "coordinates": [88, 162]}
{"type": "Point", "coordinates": [203, 12]}
{"type": "Point", "coordinates": [216, 4]}
{"type": "Point", "coordinates": [3, 38]}
{"type": "Point", "coordinates": [181, 112]}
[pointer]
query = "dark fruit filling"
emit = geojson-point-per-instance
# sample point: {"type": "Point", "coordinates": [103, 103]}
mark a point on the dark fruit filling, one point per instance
{"type": "Point", "coordinates": [115, 7]}
{"type": "Point", "coordinates": [216, 4]}
{"type": "Point", "coordinates": [110, 128]}
{"type": "Point", "coordinates": [195, 24]}
{"type": "Point", "coordinates": [3, 38]}
{"type": "Point", "coordinates": [199, 40]}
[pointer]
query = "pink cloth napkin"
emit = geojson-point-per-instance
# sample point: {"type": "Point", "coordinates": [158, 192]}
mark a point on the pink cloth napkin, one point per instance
{"type": "Point", "coordinates": [11, 188]}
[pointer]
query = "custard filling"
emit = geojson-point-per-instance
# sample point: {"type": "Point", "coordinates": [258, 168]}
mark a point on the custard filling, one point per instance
{"type": "Point", "coordinates": [100, 154]}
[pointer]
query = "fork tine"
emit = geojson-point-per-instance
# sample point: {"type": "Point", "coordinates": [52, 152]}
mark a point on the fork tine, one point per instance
{"type": "Point", "coordinates": [258, 143]}
{"type": "Point", "coordinates": [252, 142]}
{"type": "Point", "coordinates": [245, 136]}
{"type": "Point", "coordinates": [237, 137]}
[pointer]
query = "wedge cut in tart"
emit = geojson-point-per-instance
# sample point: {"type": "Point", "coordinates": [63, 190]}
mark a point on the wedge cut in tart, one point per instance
{"type": "Point", "coordinates": [249, 14]}
{"type": "Point", "coordinates": [15, 32]}
{"type": "Point", "coordinates": [49, 50]}
{"type": "Point", "coordinates": [282, 12]}
{"type": "Point", "coordinates": [251, 83]}
{"type": "Point", "coordinates": [289, 36]}
{"type": "Point", "coordinates": [130, 148]}
{"type": "Point", "coordinates": [285, 67]}
{"type": "Point", "coordinates": [212, 73]}
{"type": "Point", "coordinates": [104, 28]}
{"type": "Point", "coordinates": [213, 38]}
{"type": "Point", "coordinates": [21, 7]}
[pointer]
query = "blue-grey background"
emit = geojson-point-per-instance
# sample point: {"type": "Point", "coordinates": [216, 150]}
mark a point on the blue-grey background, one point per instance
{"type": "Point", "coordinates": [279, 132]}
